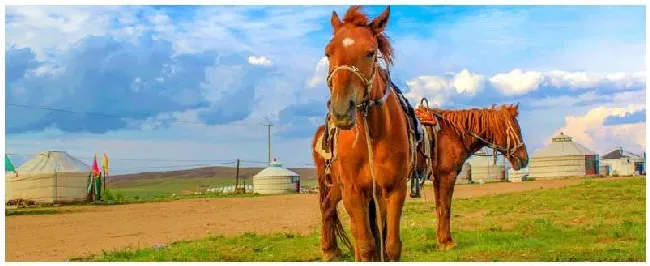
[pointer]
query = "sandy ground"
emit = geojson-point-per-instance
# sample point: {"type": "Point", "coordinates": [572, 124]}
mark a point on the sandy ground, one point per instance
{"type": "Point", "coordinates": [93, 229]}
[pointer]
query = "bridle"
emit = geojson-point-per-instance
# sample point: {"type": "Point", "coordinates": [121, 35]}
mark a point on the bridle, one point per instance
{"type": "Point", "coordinates": [366, 103]}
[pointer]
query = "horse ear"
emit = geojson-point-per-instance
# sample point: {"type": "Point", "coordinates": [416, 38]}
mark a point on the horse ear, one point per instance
{"type": "Point", "coordinates": [379, 23]}
{"type": "Point", "coordinates": [336, 22]}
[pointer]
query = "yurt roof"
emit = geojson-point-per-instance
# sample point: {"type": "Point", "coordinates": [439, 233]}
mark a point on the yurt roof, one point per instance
{"type": "Point", "coordinates": [275, 169]}
{"type": "Point", "coordinates": [563, 145]}
{"type": "Point", "coordinates": [53, 161]}
{"type": "Point", "coordinates": [619, 153]}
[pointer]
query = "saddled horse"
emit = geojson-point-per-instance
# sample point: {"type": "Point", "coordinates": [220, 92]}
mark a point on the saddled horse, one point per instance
{"type": "Point", "coordinates": [369, 138]}
{"type": "Point", "coordinates": [460, 134]}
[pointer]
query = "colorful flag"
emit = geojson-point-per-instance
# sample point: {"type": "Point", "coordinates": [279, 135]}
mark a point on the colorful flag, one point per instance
{"type": "Point", "coordinates": [8, 165]}
{"type": "Point", "coordinates": [95, 167]}
{"type": "Point", "coordinates": [105, 164]}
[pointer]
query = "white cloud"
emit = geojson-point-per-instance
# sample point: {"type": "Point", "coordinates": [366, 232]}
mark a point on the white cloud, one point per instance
{"type": "Point", "coordinates": [584, 80]}
{"type": "Point", "coordinates": [260, 61]}
{"type": "Point", "coordinates": [439, 89]}
{"type": "Point", "coordinates": [517, 82]}
{"type": "Point", "coordinates": [468, 83]}
{"type": "Point", "coordinates": [320, 74]}
{"type": "Point", "coordinates": [55, 28]}
{"type": "Point", "coordinates": [590, 130]}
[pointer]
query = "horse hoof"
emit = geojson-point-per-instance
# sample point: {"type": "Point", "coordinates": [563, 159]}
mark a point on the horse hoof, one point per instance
{"type": "Point", "coordinates": [444, 246]}
{"type": "Point", "coordinates": [332, 255]}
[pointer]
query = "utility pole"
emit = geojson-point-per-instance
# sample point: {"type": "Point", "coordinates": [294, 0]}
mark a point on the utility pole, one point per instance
{"type": "Point", "coordinates": [269, 140]}
{"type": "Point", "coordinates": [237, 176]}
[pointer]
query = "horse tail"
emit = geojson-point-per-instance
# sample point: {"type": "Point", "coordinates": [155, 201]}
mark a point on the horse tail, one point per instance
{"type": "Point", "coordinates": [340, 232]}
{"type": "Point", "coordinates": [374, 228]}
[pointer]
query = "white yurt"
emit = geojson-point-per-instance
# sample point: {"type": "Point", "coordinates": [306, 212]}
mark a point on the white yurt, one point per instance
{"type": "Point", "coordinates": [563, 158]}
{"type": "Point", "coordinates": [276, 180]}
{"type": "Point", "coordinates": [484, 168]}
{"type": "Point", "coordinates": [52, 176]}
{"type": "Point", "coordinates": [623, 163]}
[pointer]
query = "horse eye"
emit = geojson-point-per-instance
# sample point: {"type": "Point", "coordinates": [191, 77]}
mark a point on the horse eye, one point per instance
{"type": "Point", "coordinates": [370, 54]}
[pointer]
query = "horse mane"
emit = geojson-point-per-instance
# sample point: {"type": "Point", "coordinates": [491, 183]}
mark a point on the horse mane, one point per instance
{"type": "Point", "coordinates": [358, 18]}
{"type": "Point", "coordinates": [490, 123]}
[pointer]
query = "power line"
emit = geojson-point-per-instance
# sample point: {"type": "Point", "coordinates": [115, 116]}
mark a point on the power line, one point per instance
{"type": "Point", "coordinates": [216, 161]}
{"type": "Point", "coordinates": [114, 116]}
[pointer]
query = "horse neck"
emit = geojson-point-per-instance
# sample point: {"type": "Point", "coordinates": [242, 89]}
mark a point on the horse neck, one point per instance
{"type": "Point", "coordinates": [475, 144]}
{"type": "Point", "coordinates": [465, 142]}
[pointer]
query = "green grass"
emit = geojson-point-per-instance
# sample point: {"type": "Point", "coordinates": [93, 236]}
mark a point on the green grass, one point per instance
{"type": "Point", "coordinates": [160, 188]}
{"type": "Point", "coordinates": [163, 188]}
{"type": "Point", "coordinates": [593, 221]}
{"type": "Point", "coordinates": [36, 211]}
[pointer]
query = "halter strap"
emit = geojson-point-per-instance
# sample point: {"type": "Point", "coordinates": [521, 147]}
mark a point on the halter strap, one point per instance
{"type": "Point", "coordinates": [368, 83]}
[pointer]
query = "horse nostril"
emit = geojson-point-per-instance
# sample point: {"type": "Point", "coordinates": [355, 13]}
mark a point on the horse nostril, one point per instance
{"type": "Point", "coordinates": [340, 116]}
{"type": "Point", "coordinates": [351, 104]}
{"type": "Point", "coordinates": [328, 103]}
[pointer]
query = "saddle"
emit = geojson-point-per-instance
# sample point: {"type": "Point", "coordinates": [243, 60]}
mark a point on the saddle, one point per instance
{"type": "Point", "coordinates": [414, 122]}
{"type": "Point", "coordinates": [429, 149]}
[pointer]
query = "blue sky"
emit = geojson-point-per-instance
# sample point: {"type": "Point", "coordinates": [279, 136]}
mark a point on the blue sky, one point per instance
{"type": "Point", "coordinates": [199, 82]}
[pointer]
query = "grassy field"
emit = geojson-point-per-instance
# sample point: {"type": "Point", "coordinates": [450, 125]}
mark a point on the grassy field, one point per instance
{"type": "Point", "coordinates": [593, 221]}
{"type": "Point", "coordinates": [162, 188]}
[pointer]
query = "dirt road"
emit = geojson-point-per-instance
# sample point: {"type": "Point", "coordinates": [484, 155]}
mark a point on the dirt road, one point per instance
{"type": "Point", "coordinates": [93, 229]}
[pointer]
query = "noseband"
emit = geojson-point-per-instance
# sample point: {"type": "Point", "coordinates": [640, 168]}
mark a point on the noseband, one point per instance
{"type": "Point", "coordinates": [366, 103]}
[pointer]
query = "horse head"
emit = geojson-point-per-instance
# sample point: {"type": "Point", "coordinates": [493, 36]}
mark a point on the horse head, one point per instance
{"type": "Point", "coordinates": [512, 141]}
{"type": "Point", "coordinates": [353, 53]}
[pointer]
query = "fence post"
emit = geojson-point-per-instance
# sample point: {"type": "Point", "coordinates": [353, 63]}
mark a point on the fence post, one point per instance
{"type": "Point", "coordinates": [237, 176]}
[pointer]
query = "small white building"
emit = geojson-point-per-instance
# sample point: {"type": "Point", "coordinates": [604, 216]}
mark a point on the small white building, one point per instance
{"type": "Point", "coordinates": [276, 180]}
{"type": "Point", "coordinates": [623, 163]}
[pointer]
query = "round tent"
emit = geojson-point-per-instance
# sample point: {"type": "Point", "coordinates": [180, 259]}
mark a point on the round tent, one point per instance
{"type": "Point", "coordinates": [52, 176]}
{"type": "Point", "coordinates": [563, 158]}
{"type": "Point", "coordinates": [276, 180]}
{"type": "Point", "coordinates": [484, 168]}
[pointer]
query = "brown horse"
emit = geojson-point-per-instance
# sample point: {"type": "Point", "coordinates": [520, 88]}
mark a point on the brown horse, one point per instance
{"type": "Point", "coordinates": [462, 132]}
{"type": "Point", "coordinates": [372, 157]}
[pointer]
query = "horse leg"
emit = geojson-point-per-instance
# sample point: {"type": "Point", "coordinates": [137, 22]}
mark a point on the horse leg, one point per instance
{"type": "Point", "coordinates": [330, 223]}
{"type": "Point", "coordinates": [393, 215]}
{"type": "Point", "coordinates": [446, 191]}
{"type": "Point", "coordinates": [357, 206]}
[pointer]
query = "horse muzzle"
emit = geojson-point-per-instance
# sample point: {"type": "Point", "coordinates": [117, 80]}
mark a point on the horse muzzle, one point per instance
{"type": "Point", "coordinates": [344, 121]}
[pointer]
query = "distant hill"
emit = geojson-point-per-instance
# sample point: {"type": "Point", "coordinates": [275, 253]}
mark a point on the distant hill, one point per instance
{"type": "Point", "coordinates": [216, 172]}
